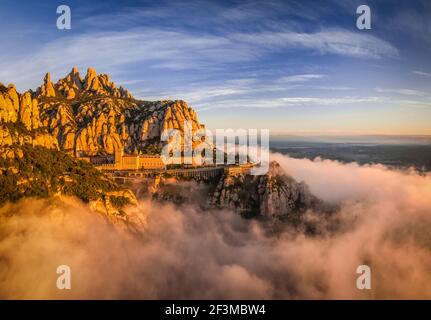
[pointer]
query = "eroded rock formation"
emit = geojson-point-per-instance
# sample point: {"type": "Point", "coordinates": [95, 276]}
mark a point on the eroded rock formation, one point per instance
{"type": "Point", "coordinates": [92, 115]}
{"type": "Point", "coordinates": [272, 195]}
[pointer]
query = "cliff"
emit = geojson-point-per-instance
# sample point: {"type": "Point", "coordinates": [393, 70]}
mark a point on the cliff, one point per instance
{"type": "Point", "coordinates": [42, 131]}
{"type": "Point", "coordinates": [33, 164]}
{"type": "Point", "coordinates": [91, 115]}
{"type": "Point", "coordinates": [274, 195]}
{"type": "Point", "coordinates": [20, 123]}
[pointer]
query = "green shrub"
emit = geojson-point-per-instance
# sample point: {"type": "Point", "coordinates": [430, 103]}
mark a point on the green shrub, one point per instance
{"type": "Point", "coordinates": [43, 172]}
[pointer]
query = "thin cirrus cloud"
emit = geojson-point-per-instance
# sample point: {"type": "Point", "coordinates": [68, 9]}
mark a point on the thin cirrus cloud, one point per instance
{"type": "Point", "coordinates": [298, 78]}
{"type": "Point", "coordinates": [287, 102]}
{"type": "Point", "coordinates": [110, 51]}
{"type": "Point", "coordinates": [338, 42]}
{"type": "Point", "coordinates": [181, 50]}
{"type": "Point", "coordinates": [202, 93]}
{"type": "Point", "coordinates": [291, 102]}
{"type": "Point", "coordinates": [307, 101]}
{"type": "Point", "coordinates": [199, 95]}
{"type": "Point", "coordinates": [422, 73]}
{"type": "Point", "coordinates": [331, 101]}
{"type": "Point", "coordinates": [406, 92]}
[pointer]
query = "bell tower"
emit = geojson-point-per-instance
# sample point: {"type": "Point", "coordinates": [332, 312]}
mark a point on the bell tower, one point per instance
{"type": "Point", "coordinates": [118, 156]}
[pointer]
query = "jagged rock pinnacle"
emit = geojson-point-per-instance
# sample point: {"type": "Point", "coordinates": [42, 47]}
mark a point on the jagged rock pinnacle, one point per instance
{"type": "Point", "coordinates": [47, 89]}
{"type": "Point", "coordinates": [75, 78]}
{"type": "Point", "coordinates": [91, 80]}
{"type": "Point", "coordinates": [48, 85]}
{"type": "Point", "coordinates": [91, 72]}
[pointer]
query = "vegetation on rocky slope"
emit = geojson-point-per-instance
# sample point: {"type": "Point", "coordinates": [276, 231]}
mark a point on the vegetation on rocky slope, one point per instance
{"type": "Point", "coordinates": [42, 172]}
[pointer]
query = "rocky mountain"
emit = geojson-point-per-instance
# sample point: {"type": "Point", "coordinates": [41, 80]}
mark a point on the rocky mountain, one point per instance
{"type": "Point", "coordinates": [273, 195]}
{"type": "Point", "coordinates": [32, 163]}
{"type": "Point", "coordinates": [20, 122]}
{"type": "Point", "coordinates": [43, 131]}
{"type": "Point", "coordinates": [91, 115]}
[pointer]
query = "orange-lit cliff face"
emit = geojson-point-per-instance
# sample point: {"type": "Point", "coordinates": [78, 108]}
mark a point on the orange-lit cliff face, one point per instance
{"type": "Point", "coordinates": [91, 115]}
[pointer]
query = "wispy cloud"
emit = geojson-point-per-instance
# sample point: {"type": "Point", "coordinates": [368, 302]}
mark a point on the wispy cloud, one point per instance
{"type": "Point", "coordinates": [300, 78]}
{"type": "Point", "coordinates": [422, 73]}
{"type": "Point", "coordinates": [331, 101]}
{"type": "Point", "coordinates": [339, 42]}
{"type": "Point", "coordinates": [407, 92]}
{"type": "Point", "coordinates": [284, 102]}
{"type": "Point", "coordinates": [287, 102]}
{"type": "Point", "coordinates": [181, 50]}
{"type": "Point", "coordinates": [332, 88]}
{"type": "Point", "coordinates": [152, 48]}
{"type": "Point", "coordinates": [239, 89]}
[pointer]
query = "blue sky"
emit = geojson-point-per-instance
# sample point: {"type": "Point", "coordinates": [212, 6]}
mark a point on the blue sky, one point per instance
{"type": "Point", "coordinates": [297, 67]}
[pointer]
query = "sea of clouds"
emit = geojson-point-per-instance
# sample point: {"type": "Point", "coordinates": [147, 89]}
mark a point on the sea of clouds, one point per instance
{"type": "Point", "coordinates": [182, 252]}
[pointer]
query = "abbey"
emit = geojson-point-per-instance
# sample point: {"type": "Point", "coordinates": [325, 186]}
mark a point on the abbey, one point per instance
{"type": "Point", "coordinates": [177, 310]}
{"type": "Point", "coordinates": [121, 161]}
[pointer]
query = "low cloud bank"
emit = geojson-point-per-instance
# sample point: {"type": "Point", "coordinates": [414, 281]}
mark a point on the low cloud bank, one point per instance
{"type": "Point", "coordinates": [385, 219]}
